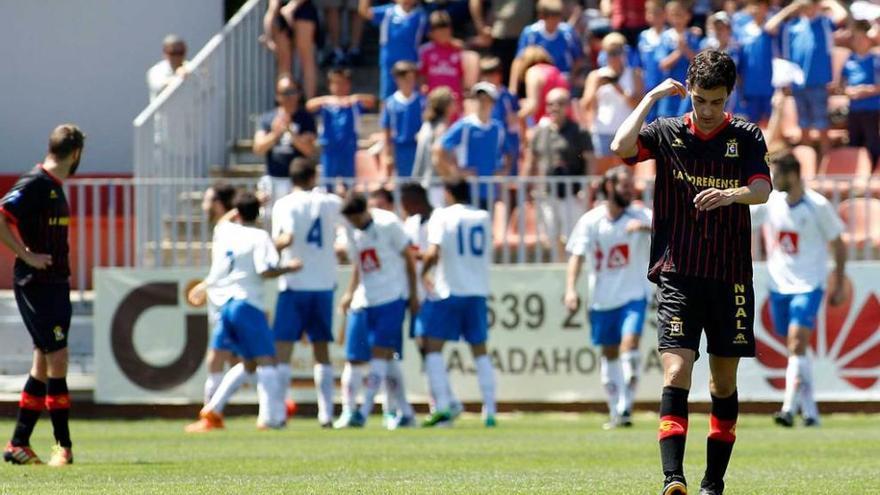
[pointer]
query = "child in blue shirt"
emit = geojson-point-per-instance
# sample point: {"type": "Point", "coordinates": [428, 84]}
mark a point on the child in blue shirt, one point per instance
{"type": "Point", "coordinates": [506, 108]}
{"type": "Point", "coordinates": [401, 120]}
{"type": "Point", "coordinates": [402, 26]}
{"type": "Point", "coordinates": [755, 68]}
{"type": "Point", "coordinates": [678, 46]}
{"type": "Point", "coordinates": [340, 121]}
{"type": "Point", "coordinates": [861, 80]}
{"type": "Point", "coordinates": [554, 35]}
{"type": "Point", "coordinates": [649, 43]}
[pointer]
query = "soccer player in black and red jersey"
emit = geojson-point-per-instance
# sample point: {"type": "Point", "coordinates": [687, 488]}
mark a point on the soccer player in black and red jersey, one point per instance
{"type": "Point", "coordinates": [710, 167]}
{"type": "Point", "coordinates": [37, 206]}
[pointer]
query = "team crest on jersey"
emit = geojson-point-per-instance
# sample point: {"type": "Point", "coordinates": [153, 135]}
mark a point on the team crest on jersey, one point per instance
{"type": "Point", "coordinates": [767, 158]}
{"type": "Point", "coordinates": [59, 333]}
{"type": "Point", "coordinates": [788, 242]}
{"type": "Point", "coordinates": [370, 261]}
{"type": "Point", "coordinates": [618, 256]}
{"type": "Point", "coordinates": [676, 327]}
{"type": "Point", "coordinates": [678, 143]}
{"type": "Point", "coordinates": [732, 149]}
{"type": "Point", "coordinates": [53, 194]}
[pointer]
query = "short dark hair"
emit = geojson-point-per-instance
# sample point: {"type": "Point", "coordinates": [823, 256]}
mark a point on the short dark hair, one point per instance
{"type": "Point", "coordinates": [711, 69]}
{"type": "Point", "coordinates": [404, 67]}
{"type": "Point", "coordinates": [861, 26]}
{"type": "Point", "coordinates": [612, 176]}
{"type": "Point", "coordinates": [302, 171]}
{"type": "Point", "coordinates": [339, 71]}
{"type": "Point", "coordinates": [382, 193]}
{"type": "Point", "coordinates": [459, 188]}
{"type": "Point", "coordinates": [787, 163]}
{"type": "Point", "coordinates": [248, 206]}
{"type": "Point", "coordinates": [354, 204]}
{"type": "Point", "coordinates": [65, 139]}
{"type": "Point", "coordinates": [490, 65]}
{"type": "Point", "coordinates": [414, 191]}
{"type": "Point", "coordinates": [440, 19]}
{"type": "Point", "coordinates": [225, 194]}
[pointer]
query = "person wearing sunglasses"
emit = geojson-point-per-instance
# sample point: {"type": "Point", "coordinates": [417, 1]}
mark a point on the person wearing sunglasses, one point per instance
{"type": "Point", "coordinates": [172, 65]}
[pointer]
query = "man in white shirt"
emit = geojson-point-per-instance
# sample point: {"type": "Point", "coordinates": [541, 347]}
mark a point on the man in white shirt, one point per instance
{"type": "Point", "coordinates": [304, 225]}
{"type": "Point", "coordinates": [799, 225]}
{"type": "Point", "coordinates": [242, 256]}
{"type": "Point", "coordinates": [460, 247]}
{"type": "Point", "coordinates": [384, 282]}
{"type": "Point", "coordinates": [616, 235]}
{"type": "Point", "coordinates": [173, 65]}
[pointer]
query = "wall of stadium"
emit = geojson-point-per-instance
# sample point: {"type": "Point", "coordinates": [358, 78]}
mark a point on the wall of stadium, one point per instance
{"type": "Point", "coordinates": [149, 344]}
{"type": "Point", "coordinates": [86, 62]}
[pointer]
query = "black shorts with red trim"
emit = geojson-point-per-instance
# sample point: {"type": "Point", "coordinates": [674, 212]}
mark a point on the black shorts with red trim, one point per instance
{"type": "Point", "coordinates": [46, 311]}
{"type": "Point", "coordinates": [689, 305]}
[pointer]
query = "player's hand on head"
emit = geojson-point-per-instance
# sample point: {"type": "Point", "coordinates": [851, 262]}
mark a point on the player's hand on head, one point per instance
{"type": "Point", "coordinates": [669, 87]}
{"type": "Point", "coordinates": [709, 199]}
{"type": "Point", "coordinates": [37, 260]}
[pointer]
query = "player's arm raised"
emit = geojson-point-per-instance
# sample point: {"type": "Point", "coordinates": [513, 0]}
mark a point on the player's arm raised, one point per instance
{"type": "Point", "coordinates": [626, 141]}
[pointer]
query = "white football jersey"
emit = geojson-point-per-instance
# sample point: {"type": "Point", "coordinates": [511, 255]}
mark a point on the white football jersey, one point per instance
{"type": "Point", "coordinates": [378, 252]}
{"type": "Point", "coordinates": [464, 235]}
{"type": "Point", "coordinates": [238, 256]}
{"type": "Point", "coordinates": [797, 238]}
{"type": "Point", "coordinates": [312, 217]}
{"type": "Point", "coordinates": [417, 233]}
{"type": "Point", "coordinates": [619, 259]}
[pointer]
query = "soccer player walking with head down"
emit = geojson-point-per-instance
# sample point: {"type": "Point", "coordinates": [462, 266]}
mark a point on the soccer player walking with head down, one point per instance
{"type": "Point", "coordinates": [710, 167]}
{"type": "Point", "coordinates": [36, 204]}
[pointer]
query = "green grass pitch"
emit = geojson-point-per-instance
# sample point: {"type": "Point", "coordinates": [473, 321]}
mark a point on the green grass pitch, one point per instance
{"type": "Point", "coordinates": [526, 453]}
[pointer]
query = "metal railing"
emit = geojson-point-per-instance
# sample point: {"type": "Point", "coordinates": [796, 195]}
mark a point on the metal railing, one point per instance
{"type": "Point", "coordinates": [529, 222]}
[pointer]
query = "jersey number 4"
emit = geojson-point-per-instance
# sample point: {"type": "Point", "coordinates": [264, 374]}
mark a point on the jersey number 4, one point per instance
{"type": "Point", "coordinates": [315, 236]}
{"type": "Point", "coordinates": [476, 240]}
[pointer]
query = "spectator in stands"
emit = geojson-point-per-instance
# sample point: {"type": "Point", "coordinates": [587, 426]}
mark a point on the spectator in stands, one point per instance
{"type": "Point", "coordinates": [861, 83]}
{"type": "Point", "coordinates": [333, 19]}
{"type": "Point", "coordinates": [402, 27]}
{"type": "Point", "coordinates": [628, 17]}
{"type": "Point", "coordinates": [719, 36]}
{"type": "Point", "coordinates": [649, 43]}
{"type": "Point", "coordinates": [506, 107]}
{"type": "Point", "coordinates": [284, 133]}
{"type": "Point", "coordinates": [678, 46]}
{"type": "Point", "coordinates": [554, 36]}
{"type": "Point", "coordinates": [610, 94]}
{"type": "Point", "coordinates": [381, 198]}
{"type": "Point", "coordinates": [540, 76]}
{"type": "Point", "coordinates": [435, 121]}
{"type": "Point", "coordinates": [806, 34]}
{"type": "Point", "coordinates": [479, 142]}
{"type": "Point", "coordinates": [340, 113]}
{"type": "Point", "coordinates": [500, 30]}
{"type": "Point", "coordinates": [401, 120]}
{"type": "Point", "coordinates": [440, 60]}
{"type": "Point", "coordinates": [559, 148]}
{"type": "Point", "coordinates": [290, 23]}
{"type": "Point", "coordinates": [755, 67]}
{"type": "Point", "coordinates": [173, 65]}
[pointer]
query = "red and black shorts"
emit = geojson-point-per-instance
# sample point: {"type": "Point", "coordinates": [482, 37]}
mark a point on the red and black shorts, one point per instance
{"type": "Point", "coordinates": [46, 311]}
{"type": "Point", "coordinates": [689, 305]}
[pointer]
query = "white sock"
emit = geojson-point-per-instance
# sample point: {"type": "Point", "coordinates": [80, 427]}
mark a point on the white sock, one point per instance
{"type": "Point", "coordinates": [324, 386]}
{"type": "Point", "coordinates": [378, 372]}
{"type": "Point", "coordinates": [211, 384]}
{"type": "Point", "coordinates": [630, 361]}
{"type": "Point", "coordinates": [352, 380]}
{"type": "Point", "coordinates": [232, 381]}
{"type": "Point", "coordinates": [272, 411]}
{"type": "Point", "coordinates": [396, 388]}
{"type": "Point", "coordinates": [792, 385]}
{"type": "Point", "coordinates": [612, 379]}
{"type": "Point", "coordinates": [486, 379]}
{"type": "Point", "coordinates": [438, 380]}
{"type": "Point", "coordinates": [808, 399]}
{"type": "Point", "coordinates": [284, 374]}
{"type": "Point", "coordinates": [389, 404]}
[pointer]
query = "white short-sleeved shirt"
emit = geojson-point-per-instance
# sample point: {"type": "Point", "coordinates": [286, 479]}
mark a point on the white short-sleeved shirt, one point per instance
{"type": "Point", "coordinates": [312, 217]}
{"type": "Point", "coordinates": [239, 256]}
{"type": "Point", "coordinates": [377, 251]}
{"type": "Point", "coordinates": [464, 235]}
{"type": "Point", "coordinates": [417, 232]}
{"type": "Point", "coordinates": [619, 259]}
{"type": "Point", "coordinates": [797, 238]}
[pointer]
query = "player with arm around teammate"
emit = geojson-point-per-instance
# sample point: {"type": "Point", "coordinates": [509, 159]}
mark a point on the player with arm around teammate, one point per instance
{"type": "Point", "coordinates": [242, 256]}
{"type": "Point", "coordinates": [460, 248]}
{"type": "Point", "coordinates": [616, 236]}
{"type": "Point", "coordinates": [800, 225]}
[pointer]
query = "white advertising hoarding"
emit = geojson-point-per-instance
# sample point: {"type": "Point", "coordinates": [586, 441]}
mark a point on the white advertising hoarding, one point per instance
{"type": "Point", "coordinates": [150, 344]}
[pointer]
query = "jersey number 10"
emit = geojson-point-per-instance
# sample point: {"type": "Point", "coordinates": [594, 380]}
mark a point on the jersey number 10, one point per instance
{"type": "Point", "coordinates": [476, 240]}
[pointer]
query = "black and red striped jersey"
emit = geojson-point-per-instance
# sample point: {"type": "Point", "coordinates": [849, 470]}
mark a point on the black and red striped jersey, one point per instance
{"type": "Point", "coordinates": [38, 206]}
{"type": "Point", "coordinates": [708, 244]}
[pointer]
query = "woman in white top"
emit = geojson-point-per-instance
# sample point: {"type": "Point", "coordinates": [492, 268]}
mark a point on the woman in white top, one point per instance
{"type": "Point", "coordinates": [610, 94]}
